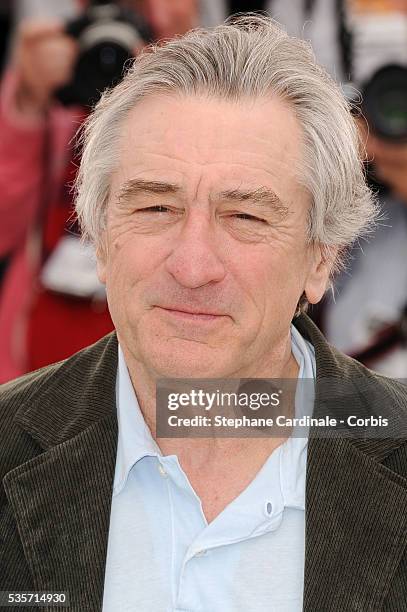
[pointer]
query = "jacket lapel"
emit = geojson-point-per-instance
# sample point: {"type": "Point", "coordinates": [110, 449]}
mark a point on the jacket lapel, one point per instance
{"type": "Point", "coordinates": [356, 524]}
{"type": "Point", "coordinates": [61, 498]}
{"type": "Point", "coordinates": [61, 502]}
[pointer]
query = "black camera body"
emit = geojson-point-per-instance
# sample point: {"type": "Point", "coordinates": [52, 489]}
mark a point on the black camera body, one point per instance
{"type": "Point", "coordinates": [107, 36]}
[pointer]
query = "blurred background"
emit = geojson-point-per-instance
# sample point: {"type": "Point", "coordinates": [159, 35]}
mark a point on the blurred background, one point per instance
{"type": "Point", "coordinates": [55, 58]}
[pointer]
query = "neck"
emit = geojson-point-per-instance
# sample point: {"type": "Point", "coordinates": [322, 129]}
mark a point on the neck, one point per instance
{"type": "Point", "coordinates": [279, 363]}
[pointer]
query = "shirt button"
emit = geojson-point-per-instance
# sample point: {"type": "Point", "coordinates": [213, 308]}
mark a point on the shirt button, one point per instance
{"type": "Point", "coordinates": [268, 508]}
{"type": "Point", "coordinates": [162, 471]}
{"type": "Point", "coordinates": [200, 553]}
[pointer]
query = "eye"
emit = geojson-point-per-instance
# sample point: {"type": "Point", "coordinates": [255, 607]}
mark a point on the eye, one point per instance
{"type": "Point", "coordinates": [157, 208]}
{"type": "Point", "coordinates": [245, 216]}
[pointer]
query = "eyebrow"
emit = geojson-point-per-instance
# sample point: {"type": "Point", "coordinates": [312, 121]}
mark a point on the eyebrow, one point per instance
{"type": "Point", "coordinates": [136, 186]}
{"type": "Point", "coordinates": [262, 196]}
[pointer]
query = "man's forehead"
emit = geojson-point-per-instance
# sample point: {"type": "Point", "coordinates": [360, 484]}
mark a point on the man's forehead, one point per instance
{"type": "Point", "coordinates": [244, 115]}
{"type": "Point", "coordinates": [180, 132]}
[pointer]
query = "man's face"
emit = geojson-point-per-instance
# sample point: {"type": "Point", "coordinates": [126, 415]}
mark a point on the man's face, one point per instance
{"type": "Point", "coordinates": [206, 215]}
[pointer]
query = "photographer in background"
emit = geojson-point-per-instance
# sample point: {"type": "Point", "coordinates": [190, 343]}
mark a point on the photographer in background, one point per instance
{"type": "Point", "coordinates": [51, 302]}
{"type": "Point", "coordinates": [366, 317]}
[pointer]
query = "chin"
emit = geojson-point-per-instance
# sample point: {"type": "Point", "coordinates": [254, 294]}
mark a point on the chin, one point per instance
{"type": "Point", "coordinates": [191, 361]}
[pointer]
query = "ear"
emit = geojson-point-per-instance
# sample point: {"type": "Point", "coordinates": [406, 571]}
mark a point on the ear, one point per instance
{"type": "Point", "coordinates": [101, 259]}
{"type": "Point", "coordinates": [322, 260]}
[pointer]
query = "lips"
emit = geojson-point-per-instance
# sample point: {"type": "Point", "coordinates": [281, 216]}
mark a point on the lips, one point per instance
{"type": "Point", "coordinates": [192, 311]}
{"type": "Point", "coordinates": [194, 316]}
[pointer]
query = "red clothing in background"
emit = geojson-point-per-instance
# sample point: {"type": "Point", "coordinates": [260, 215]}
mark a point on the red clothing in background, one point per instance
{"type": "Point", "coordinates": [36, 326]}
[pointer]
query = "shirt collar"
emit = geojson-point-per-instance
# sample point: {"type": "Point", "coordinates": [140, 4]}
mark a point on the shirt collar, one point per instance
{"type": "Point", "coordinates": [134, 440]}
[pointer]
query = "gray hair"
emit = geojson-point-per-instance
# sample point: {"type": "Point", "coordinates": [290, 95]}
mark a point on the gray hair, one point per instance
{"type": "Point", "coordinates": [247, 56]}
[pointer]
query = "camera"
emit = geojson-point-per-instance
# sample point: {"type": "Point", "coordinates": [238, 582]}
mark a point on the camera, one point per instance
{"type": "Point", "coordinates": [379, 69]}
{"type": "Point", "coordinates": [107, 36]}
{"type": "Point", "coordinates": [384, 102]}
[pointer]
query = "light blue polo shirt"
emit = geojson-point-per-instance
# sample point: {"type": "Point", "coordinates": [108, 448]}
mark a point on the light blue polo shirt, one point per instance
{"type": "Point", "coordinates": [163, 556]}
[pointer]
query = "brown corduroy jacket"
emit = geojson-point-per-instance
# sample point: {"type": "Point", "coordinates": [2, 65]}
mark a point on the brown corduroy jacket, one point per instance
{"type": "Point", "coordinates": [58, 440]}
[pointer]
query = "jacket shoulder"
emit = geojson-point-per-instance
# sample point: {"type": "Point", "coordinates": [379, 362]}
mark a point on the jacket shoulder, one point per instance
{"type": "Point", "coordinates": [44, 394]}
{"type": "Point", "coordinates": [333, 365]}
{"type": "Point", "coordinates": [20, 390]}
{"type": "Point", "coordinates": [384, 387]}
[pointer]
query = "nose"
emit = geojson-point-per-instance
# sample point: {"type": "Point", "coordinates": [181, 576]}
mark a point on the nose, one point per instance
{"type": "Point", "coordinates": [195, 260]}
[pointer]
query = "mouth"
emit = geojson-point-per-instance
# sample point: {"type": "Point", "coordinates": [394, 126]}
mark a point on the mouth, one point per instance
{"type": "Point", "coordinates": [185, 315]}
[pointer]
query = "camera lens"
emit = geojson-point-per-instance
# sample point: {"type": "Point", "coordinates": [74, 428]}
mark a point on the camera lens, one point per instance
{"type": "Point", "coordinates": [108, 59]}
{"type": "Point", "coordinates": [385, 102]}
{"type": "Point", "coordinates": [393, 109]}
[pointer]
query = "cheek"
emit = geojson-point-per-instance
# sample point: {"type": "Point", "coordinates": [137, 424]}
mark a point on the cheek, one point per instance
{"type": "Point", "coordinates": [133, 266]}
{"type": "Point", "coordinates": [278, 278]}
{"type": "Point", "coordinates": [134, 255]}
